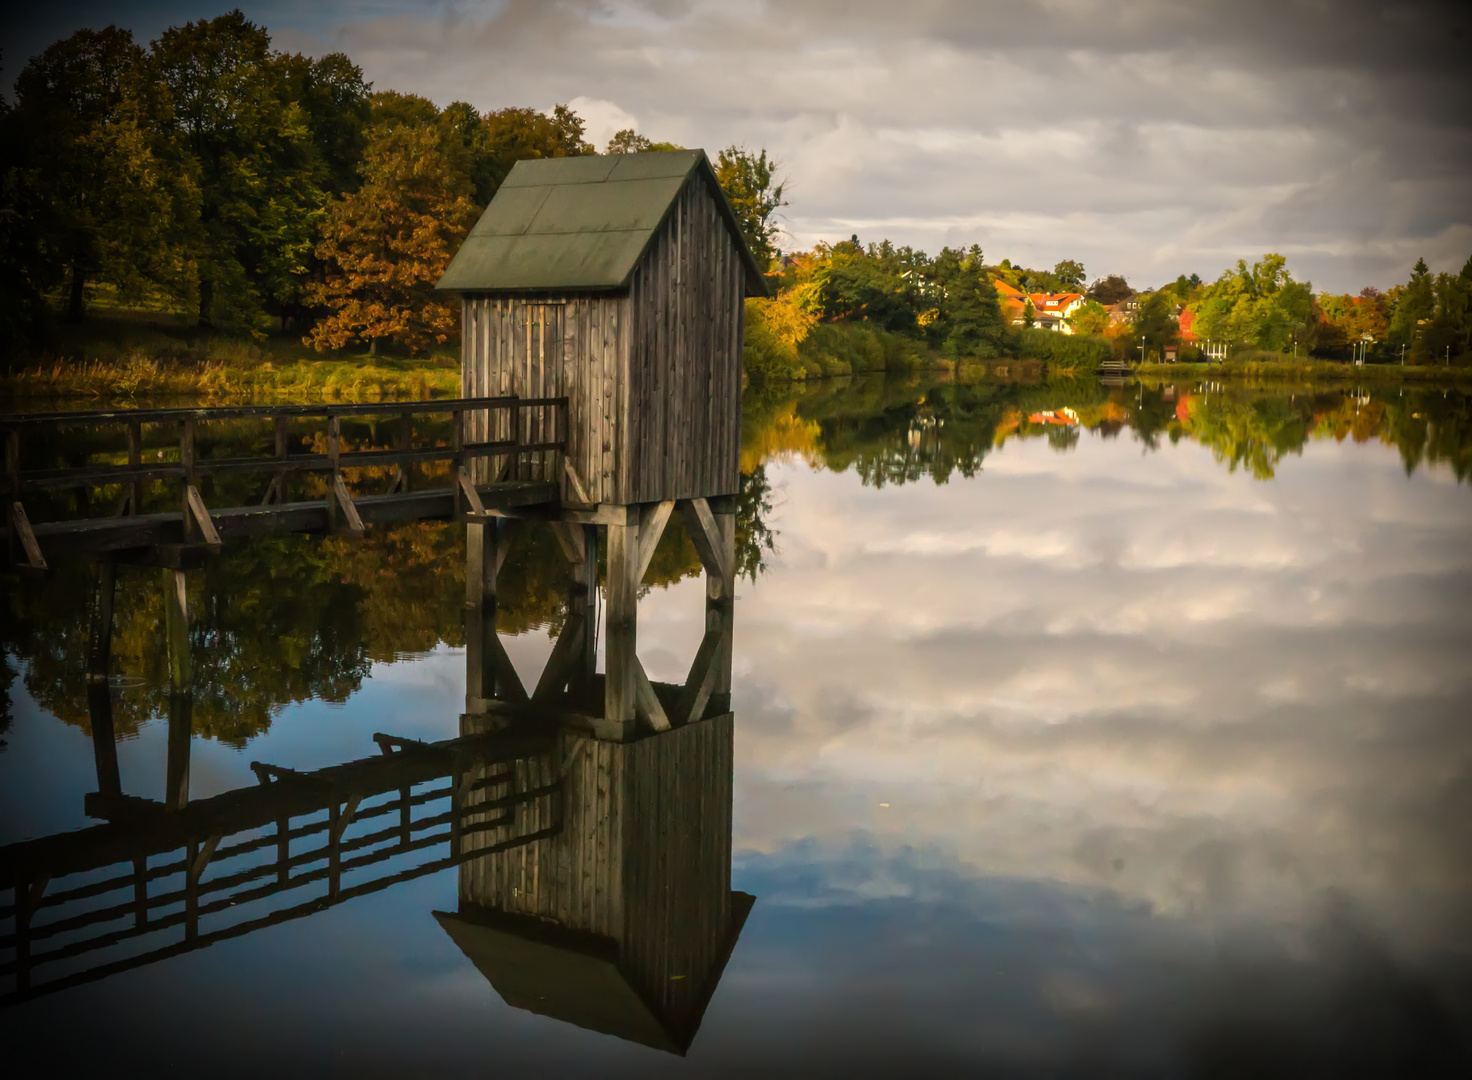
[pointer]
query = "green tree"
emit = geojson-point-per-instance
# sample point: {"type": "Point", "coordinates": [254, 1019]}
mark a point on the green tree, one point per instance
{"type": "Point", "coordinates": [1414, 305]}
{"type": "Point", "coordinates": [102, 195]}
{"type": "Point", "coordinates": [751, 186]}
{"type": "Point", "coordinates": [1089, 318]}
{"type": "Point", "coordinates": [629, 141]}
{"type": "Point", "coordinates": [1110, 290]}
{"type": "Point", "coordinates": [972, 314]}
{"type": "Point", "coordinates": [1070, 274]}
{"type": "Point", "coordinates": [251, 143]}
{"type": "Point", "coordinates": [1257, 307]}
{"type": "Point", "coordinates": [1156, 322]}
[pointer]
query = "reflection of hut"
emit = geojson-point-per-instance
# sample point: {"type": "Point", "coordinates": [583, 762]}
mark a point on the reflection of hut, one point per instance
{"type": "Point", "coordinates": [623, 920]}
{"type": "Point", "coordinates": [618, 282]}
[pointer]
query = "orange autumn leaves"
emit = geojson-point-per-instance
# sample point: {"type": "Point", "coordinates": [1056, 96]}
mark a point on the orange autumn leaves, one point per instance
{"type": "Point", "coordinates": [386, 244]}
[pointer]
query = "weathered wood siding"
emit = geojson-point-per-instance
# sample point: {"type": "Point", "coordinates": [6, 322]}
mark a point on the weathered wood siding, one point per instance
{"type": "Point", "coordinates": [644, 856]}
{"type": "Point", "coordinates": [543, 347]}
{"type": "Point", "coordinates": [653, 377]}
{"type": "Point", "coordinates": [686, 306]}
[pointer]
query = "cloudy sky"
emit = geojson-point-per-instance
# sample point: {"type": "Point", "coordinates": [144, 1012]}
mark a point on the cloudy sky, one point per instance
{"type": "Point", "coordinates": [1145, 137]}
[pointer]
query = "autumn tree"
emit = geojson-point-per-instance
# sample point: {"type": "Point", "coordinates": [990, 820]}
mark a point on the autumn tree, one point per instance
{"type": "Point", "coordinates": [386, 244]}
{"type": "Point", "coordinates": [755, 194]}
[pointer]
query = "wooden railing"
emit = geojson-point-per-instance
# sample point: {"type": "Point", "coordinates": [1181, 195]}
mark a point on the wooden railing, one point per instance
{"type": "Point", "coordinates": [546, 417]}
{"type": "Point", "coordinates": [206, 871]}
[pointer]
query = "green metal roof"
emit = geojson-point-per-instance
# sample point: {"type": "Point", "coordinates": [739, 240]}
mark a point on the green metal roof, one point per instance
{"type": "Point", "coordinates": [581, 223]}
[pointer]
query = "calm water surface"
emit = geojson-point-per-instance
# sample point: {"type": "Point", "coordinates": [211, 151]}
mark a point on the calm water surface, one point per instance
{"type": "Point", "coordinates": [1078, 731]}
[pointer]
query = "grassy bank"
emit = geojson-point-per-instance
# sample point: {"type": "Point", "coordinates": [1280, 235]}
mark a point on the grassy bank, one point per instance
{"type": "Point", "coordinates": [121, 357]}
{"type": "Point", "coordinates": [1288, 370]}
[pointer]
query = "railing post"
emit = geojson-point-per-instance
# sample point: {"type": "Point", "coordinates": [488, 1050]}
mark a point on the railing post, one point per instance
{"type": "Point", "coordinates": [135, 460]}
{"type": "Point", "coordinates": [281, 443]}
{"type": "Point", "coordinates": [515, 471]}
{"type": "Point", "coordinates": [186, 459]}
{"type": "Point", "coordinates": [457, 443]}
{"type": "Point", "coordinates": [12, 492]}
{"type": "Point", "coordinates": [334, 457]}
{"type": "Point", "coordinates": [406, 429]}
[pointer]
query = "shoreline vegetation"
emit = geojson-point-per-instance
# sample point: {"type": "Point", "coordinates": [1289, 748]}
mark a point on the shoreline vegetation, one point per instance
{"type": "Point", "coordinates": [288, 247]}
{"type": "Point", "coordinates": [119, 357]}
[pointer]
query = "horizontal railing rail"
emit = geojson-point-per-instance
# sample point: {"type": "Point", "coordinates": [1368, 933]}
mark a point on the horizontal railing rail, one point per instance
{"type": "Point", "coordinates": [532, 426]}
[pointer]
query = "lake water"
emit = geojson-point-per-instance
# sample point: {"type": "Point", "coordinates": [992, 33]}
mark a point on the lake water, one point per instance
{"type": "Point", "coordinates": [1078, 730]}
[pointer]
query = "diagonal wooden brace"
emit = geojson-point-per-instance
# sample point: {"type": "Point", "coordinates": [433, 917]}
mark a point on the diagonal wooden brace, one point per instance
{"type": "Point", "coordinates": [20, 529]}
{"type": "Point", "coordinates": [646, 701]}
{"type": "Point", "coordinates": [352, 523]}
{"type": "Point", "coordinates": [651, 528]}
{"type": "Point", "coordinates": [201, 516]}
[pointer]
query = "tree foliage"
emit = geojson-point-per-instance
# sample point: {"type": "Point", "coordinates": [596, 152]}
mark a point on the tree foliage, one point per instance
{"type": "Point", "coordinates": [1258, 307]}
{"type": "Point", "coordinates": [386, 244]}
{"type": "Point", "coordinates": [750, 183]}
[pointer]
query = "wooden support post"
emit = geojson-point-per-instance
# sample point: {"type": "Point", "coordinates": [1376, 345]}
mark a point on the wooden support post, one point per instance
{"type": "Point", "coordinates": [582, 601]}
{"type": "Point", "coordinates": [457, 464]}
{"type": "Point", "coordinates": [181, 680]}
{"type": "Point", "coordinates": [724, 590]}
{"type": "Point", "coordinates": [99, 643]}
{"type": "Point", "coordinates": [621, 602]}
{"type": "Point", "coordinates": [104, 739]}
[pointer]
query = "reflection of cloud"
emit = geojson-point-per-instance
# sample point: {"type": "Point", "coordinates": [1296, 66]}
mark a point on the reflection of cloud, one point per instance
{"type": "Point", "coordinates": [1232, 696]}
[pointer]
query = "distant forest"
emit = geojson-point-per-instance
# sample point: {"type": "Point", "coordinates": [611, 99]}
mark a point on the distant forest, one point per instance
{"type": "Point", "coordinates": [266, 192]}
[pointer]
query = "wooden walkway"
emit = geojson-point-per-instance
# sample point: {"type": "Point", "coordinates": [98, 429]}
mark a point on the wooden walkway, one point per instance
{"type": "Point", "coordinates": [307, 449]}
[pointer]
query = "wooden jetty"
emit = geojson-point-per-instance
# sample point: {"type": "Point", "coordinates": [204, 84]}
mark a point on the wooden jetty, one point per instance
{"type": "Point", "coordinates": [590, 814]}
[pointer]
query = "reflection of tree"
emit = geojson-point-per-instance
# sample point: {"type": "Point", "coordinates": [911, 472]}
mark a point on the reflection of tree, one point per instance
{"type": "Point", "coordinates": [1253, 432]}
{"type": "Point", "coordinates": [283, 619]}
{"type": "Point", "coordinates": [900, 430]}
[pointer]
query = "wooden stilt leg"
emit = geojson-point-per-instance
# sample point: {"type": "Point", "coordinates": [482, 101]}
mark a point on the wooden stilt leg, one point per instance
{"type": "Point", "coordinates": [104, 740]}
{"type": "Point", "coordinates": [99, 646]}
{"type": "Point", "coordinates": [181, 680]}
{"type": "Point", "coordinates": [621, 606]}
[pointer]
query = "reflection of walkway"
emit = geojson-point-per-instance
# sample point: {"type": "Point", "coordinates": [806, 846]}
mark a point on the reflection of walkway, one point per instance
{"type": "Point", "coordinates": [199, 872]}
{"type": "Point", "coordinates": [590, 819]}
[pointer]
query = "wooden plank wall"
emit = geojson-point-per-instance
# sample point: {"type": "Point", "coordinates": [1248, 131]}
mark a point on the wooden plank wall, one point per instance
{"type": "Point", "coordinates": [573, 879]}
{"type": "Point", "coordinates": [685, 356]}
{"type": "Point", "coordinates": [677, 866]}
{"type": "Point", "coordinates": [644, 857]}
{"type": "Point", "coordinates": [540, 347]}
{"type": "Point", "coordinates": [653, 378]}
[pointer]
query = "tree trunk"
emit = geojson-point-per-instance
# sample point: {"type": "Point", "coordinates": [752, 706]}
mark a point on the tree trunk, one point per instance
{"type": "Point", "coordinates": [206, 302]}
{"type": "Point", "coordinates": [76, 305]}
{"type": "Point", "coordinates": [373, 346]}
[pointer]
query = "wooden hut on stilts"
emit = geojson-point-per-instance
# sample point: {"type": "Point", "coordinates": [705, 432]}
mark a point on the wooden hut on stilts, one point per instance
{"type": "Point", "coordinates": [617, 282]}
